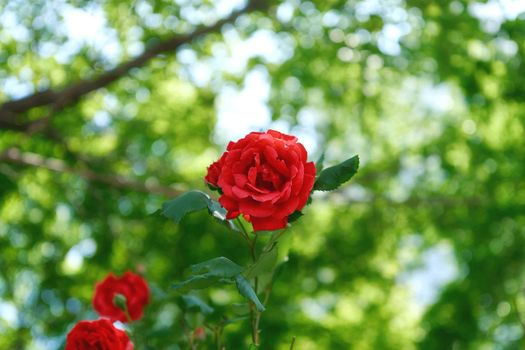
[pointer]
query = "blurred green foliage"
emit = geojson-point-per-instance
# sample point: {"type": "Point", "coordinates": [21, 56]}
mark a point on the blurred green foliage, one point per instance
{"type": "Point", "coordinates": [424, 250]}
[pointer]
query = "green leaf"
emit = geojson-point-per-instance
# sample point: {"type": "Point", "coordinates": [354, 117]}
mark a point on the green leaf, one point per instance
{"type": "Point", "coordinates": [218, 267]}
{"type": "Point", "coordinates": [209, 272]}
{"type": "Point", "coordinates": [213, 188]}
{"type": "Point", "coordinates": [246, 290]}
{"type": "Point", "coordinates": [217, 210]}
{"type": "Point", "coordinates": [333, 177]}
{"type": "Point", "coordinates": [265, 263]}
{"type": "Point", "coordinates": [196, 282]}
{"type": "Point", "coordinates": [240, 309]}
{"type": "Point", "coordinates": [319, 164]}
{"type": "Point", "coordinates": [193, 301]}
{"type": "Point", "coordinates": [190, 202]}
{"type": "Point", "coordinates": [186, 203]}
{"type": "Point", "coordinates": [294, 216]}
{"type": "Point", "coordinates": [235, 319]}
{"type": "Point", "coordinates": [274, 239]}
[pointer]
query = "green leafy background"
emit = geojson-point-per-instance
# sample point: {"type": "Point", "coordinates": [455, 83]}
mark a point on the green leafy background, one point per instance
{"type": "Point", "coordinates": [424, 249]}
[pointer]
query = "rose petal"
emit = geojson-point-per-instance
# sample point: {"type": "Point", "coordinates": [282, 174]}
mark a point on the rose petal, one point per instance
{"type": "Point", "coordinates": [297, 181]}
{"type": "Point", "coordinates": [282, 136]}
{"type": "Point", "coordinates": [252, 176]}
{"type": "Point", "coordinates": [239, 192]}
{"type": "Point", "coordinates": [270, 155]}
{"type": "Point", "coordinates": [309, 181]}
{"type": "Point", "coordinates": [265, 197]}
{"type": "Point", "coordinates": [257, 189]}
{"type": "Point", "coordinates": [228, 203]}
{"type": "Point", "coordinates": [256, 209]}
{"type": "Point", "coordinates": [240, 180]}
{"type": "Point", "coordinates": [267, 224]}
{"type": "Point", "coordinates": [285, 193]}
{"type": "Point", "coordinates": [286, 208]}
{"type": "Point", "coordinates": [309, 168]}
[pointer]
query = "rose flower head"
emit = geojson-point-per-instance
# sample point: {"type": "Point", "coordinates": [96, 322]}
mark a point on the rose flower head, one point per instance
{"type": "Point", "coordinates": [130, 286]}
{"type": "Point", "coordinates": [99, 334]}
{"type": "Point", "coordinates": [265, 177]}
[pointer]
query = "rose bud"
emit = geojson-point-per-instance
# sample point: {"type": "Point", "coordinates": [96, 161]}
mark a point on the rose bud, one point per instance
{"type": "Point", "coordinates": [199, 333]}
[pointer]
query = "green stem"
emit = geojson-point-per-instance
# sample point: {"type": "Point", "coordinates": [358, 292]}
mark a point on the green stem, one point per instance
{"type": "Point", "coordinates": [244, 233]}
{"type": "Point", "coordinates": [128, 316]}
{"type": "Point", "coordinates": [187, 333]}
{"type": "Point", "coordinates": [216, 335]}
{"type": "Point", "coordinates": [293, 343]}
{"type": "Point", "coordinates": [254, 255]}
{"type": "Point", "coordinates": [255, 315]}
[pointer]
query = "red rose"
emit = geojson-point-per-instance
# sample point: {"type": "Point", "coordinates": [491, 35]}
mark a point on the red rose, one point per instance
{"type": "Point", "coordinates": [265, 177]}
{"type": "Point", "coordinates": [131, 286]}
{"type": "Point", "coordinates": [99, 334]}
{"type": "Point", "coordinates": [199, 333]}
{"type": "Point", "coordinates": [214, 171]}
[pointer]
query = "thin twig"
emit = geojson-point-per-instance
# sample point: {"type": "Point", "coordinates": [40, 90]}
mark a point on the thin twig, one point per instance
{"type": "Point", "coordinates": [14, 155]}
{"type": "Point", "coordinates": [216, 335]}
{"type": "Point", "coordinates": [518, 316]}
{"type": "Point", "coordinates": [293, 343]}
{"type": "Point", "coordinates": [58, 99]}
{"type": "Point", "coordinates": [187, 333]}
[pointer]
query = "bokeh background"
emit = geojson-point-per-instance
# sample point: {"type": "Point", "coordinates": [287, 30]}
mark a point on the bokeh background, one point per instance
{"type": "Point", "coordinates": [423, 250]}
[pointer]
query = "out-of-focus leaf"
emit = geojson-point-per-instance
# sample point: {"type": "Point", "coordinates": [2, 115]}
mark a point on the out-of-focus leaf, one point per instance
{"type": "Point", "coordinates": [240, 308]}
{"type": "Point", "coordinates": [236, 319]}
{"type": "Point", "coordinates": [208, 273]}
{"type": "Point", "coordinates": [218, 267]}
{"type": "Point", "coordinates": [196, 282]}
{"type": "Point", "coordinates": [264, 264]}
{"type": "Point", "coordinates": [193, 301]}
{"type": "Point", "coordinates": [246, 290]}
{"type": "Point", "coordinates": [319, 164]}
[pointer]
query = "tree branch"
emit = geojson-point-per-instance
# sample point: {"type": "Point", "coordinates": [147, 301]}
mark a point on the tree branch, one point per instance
{"type": "Point", "coordinates": [10, 111]}
{"type": "Point", "coordinates": [14, 155]}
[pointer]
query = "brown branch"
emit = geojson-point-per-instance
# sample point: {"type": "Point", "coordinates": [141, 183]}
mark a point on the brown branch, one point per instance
{"type": "Point", "coordinates": [58, 99]}
{"type": "Point", "coordinates": [14, 155]}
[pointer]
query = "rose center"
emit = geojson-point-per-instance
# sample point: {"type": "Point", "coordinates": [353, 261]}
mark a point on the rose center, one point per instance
{"type": "Point", "coordinates": [268, 179]}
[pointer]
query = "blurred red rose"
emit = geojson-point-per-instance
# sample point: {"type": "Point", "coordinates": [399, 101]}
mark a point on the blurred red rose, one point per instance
{"type": "Point", "coordinates": [133, 287]}
{"type": "Point", "coordinates": [199, 333]}
{"type": "Point", "coordinates": [265, 176]}
{"type": "Point", "coordinates": [99, 334]}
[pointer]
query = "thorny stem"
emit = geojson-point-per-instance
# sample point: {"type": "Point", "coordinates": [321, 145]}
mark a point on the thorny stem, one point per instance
{"type": "Point", "coordinates": [255, 315]}
{"type": "Point", "coordinates": [244, 234]}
